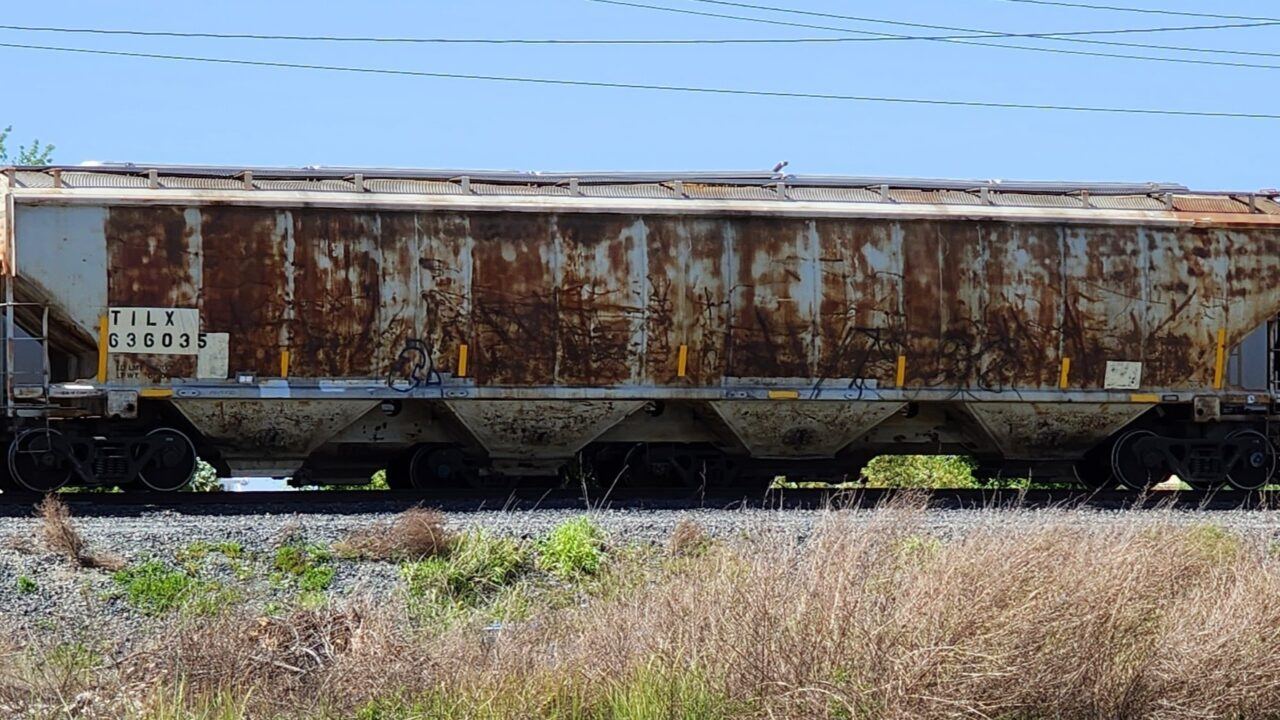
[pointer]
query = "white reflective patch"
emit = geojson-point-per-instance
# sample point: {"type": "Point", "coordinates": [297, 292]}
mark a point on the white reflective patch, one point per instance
{"type": "Point", "coordinates": [211, 362]}
{"type": "Point", "coordinates": [1123, 375]}
{"type": "Point", "coordinates": [154, 331]}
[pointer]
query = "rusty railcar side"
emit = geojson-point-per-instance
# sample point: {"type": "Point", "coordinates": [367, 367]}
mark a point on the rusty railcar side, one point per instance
{"type": "Point", "coordinates": [607, 300]}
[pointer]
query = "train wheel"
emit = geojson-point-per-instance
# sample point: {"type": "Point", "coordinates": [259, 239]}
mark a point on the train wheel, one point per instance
{"type": "Point", "coordinates": [434, 468]}
{"type": "Point", "coordinates": [171, 460]}
{"type": "Point", "coordinates": [1255, 466]}
{"type": "Point", "coordinates": [1134, 470]}
{"type": "Point", "coordinates": [40, 460]}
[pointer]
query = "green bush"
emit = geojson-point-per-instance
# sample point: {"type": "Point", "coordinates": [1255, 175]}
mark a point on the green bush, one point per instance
{"type": "Point", "coordinates": [920, 471]}
{"type": "Point", "coordinates": [26, 585]}
{"type": "Point", "coordinates": [574, 548]}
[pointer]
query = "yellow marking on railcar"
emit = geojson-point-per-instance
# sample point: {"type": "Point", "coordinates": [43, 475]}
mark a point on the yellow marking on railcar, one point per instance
{"type": "Point", "coordinates": [682, 361]}
{"type": "Point", "coordinates": [103, 339]}
{"type": "Point", "coordinates": [902, 371]}
{"type": "Point", "coordinates": [784, 394]}
{"type": "Point", "coordinates": [284, 363]}
{"type": "Point", "coordinates": [1220, 361]}
{"type": "Point", "coordinates": [1065, 374]}
{"type": "Point", "coordinates": [1144, 398]}
{"type": "Point", "coordinates": [462, 360]}
{"type": "Point", "coordinates": [155, 392]}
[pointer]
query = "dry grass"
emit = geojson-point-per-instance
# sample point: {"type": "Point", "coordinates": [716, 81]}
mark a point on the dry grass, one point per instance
{"type": "Point", "coordinates": [688, 538]}
{"type": "Point", "coordinates": [412, 535]}
{"type": "Point", "coordinates": [865, 619]}
{"type": "Point", "coordinates": [60, 536]}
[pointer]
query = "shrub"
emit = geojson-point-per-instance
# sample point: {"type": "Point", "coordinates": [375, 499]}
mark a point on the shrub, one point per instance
{"type": "Point", "coordinates": [60, 536]}
{"type": "Point", "coordinates": [26, 585]}
{"type": "Point", "coordinates": [919, 471]}
{"type": "Point", "coordinates": [478, 565]}
{"type": "Point", "coordinates": [411, 535]}
{"type": "Point", "coordinates": [572, 549]}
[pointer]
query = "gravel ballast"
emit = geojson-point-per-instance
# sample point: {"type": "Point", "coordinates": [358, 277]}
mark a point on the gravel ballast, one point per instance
{"type": "Point", "coordinates": [41, 591]}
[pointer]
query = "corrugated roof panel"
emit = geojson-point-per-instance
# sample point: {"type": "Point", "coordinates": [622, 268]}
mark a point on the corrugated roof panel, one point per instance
{"type": "Point", "coordinates": [311, 185]}
{"type": "Point", "coordinates": [102, 180]}
{"type": "Point", "coordinates": [1126, 202]}
{"type": "Point", "coordinates": [1208, 203]}
{"type": "Point", "coordinates": [1268, 206]}
{"type": "Point", "coordinates": [200, 183]}
{"type": "Point", "coordinates": [413, 187]}
{"type": "Point", "coordinates": [27, 178]}
{"type": "Point", "coordinates": [833, 194]}
{"type": "Point", "coordinates": [1035, 200]}
{"type": "Point", "coordinates": [643, 190]}
{"type": "Point", "coordinates": [700, 191]}
{"type": "Point", "coordinates": [505, 189]}
{"type": "Point", "coordinates": [935, 197]}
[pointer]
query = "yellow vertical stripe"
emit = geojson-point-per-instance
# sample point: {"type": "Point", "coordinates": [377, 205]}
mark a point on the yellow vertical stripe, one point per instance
{"type": "Point", "coordinates": [1220, 361]}
{"type": "Point", "coordinates": [462, 360]}
{"type": "Point", "coordinates": [284, 363]}
{"type": "Point", "coordinates": [682, 361]}
{"type": "Point", "coordinates": [1065, 374]}
{"type": "Point", "coordinates": [902, 370]}
{"type": "Point", "coordinates": [103, 347]}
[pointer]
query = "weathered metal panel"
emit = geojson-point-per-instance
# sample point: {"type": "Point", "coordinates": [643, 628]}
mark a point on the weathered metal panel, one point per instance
{"type": "Point", "coordinates": [597, 302]}
{"type": "Point", "coordinates": [549, 429]}
{"type": "Point", "coordinates": [772, 297]}
{"type": "Point", "coordinates": [337, 291]}
{"type": "Point", "coordinates": [248, 284]}
{"type": "Point", "coordinates": [801, 429]}
{"type": "Point", "coordinates": [153, 260]}
{"type": "Point", "coordinates": [514, 299]}
{"type": "Point", "coordinates": [445, 267]}
{"type": "Point", "coordinates": [270, 436]}
{"type": "Point", "coordinates": [1044, 431]}
{"type": "Point", "coordinates": [1104, 313]}
{"type": "Point", "coordinates": [687, 302]}
{"type": "Point", "coordinates": [861, 319]}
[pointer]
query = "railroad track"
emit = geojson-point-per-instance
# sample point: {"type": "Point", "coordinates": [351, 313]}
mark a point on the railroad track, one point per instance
{"type": "Point", "coordinates": [361, 501]}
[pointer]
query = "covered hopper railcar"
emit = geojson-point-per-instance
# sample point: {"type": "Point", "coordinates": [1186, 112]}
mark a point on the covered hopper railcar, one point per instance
{"type": "Point", "coordinates": [718, 329]}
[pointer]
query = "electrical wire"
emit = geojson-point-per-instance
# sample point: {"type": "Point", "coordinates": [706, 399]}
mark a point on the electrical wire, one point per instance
{"type": "Point", "coordinates": [619, 41]}
{"type": "Point", "coordinates": [986, 35]}
{"type": "Point", "coordinates": [1145, 11]}
{"type": "Point", "coordinates": [658, 87]}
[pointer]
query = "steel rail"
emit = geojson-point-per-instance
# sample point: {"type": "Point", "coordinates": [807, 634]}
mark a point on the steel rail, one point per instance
{"type": "Point", "coordinates": [528, 500]}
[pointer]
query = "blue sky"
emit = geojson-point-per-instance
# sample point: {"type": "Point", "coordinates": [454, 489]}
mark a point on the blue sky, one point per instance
{"type": "Point", "coordinates": [99, 108]}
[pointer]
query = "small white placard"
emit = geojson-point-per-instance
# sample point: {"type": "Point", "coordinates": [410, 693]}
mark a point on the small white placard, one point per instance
{"type": "Point", "coordinates": [1123, 375]}
{"type": "Point", "coordinates": [211, 362]}
{"type": "Point", "coordinates": [154, 331]}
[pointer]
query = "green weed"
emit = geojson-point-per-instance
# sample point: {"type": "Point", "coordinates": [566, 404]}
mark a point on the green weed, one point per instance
{"type": "Point", "coordinates": [308, 566]}
{"type": "Point", "coordinates": [26, 585]}
{"type": "Point", "coordinates": [572, 549]}
{"type": "Point", "coordinates": [153, 587]}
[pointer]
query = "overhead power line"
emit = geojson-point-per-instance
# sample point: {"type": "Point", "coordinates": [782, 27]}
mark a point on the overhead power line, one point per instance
{"type": "Point", "coordinates": [1064, 37]}
{"type": "Point", "coordinates": [659, 87]}
{"type": "Point", "coordinates": [985, 34]}
{"type": "Point", "coordinates": [1144, 11]}
{"type": "Point", "coordinates": [610, 41]}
